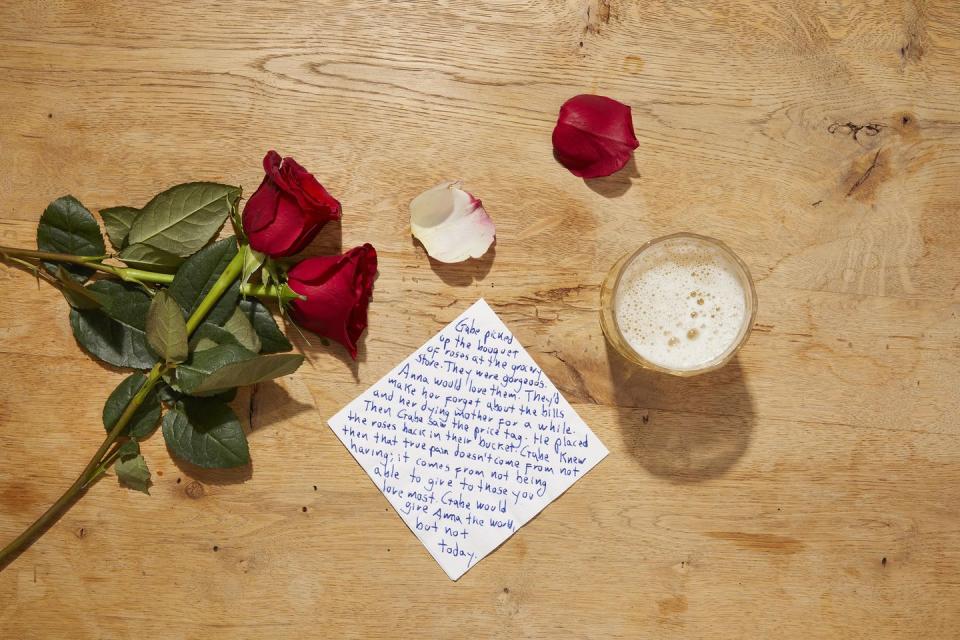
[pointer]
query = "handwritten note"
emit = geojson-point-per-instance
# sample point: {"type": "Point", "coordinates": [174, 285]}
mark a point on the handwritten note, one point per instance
{"type": "Point", "coordinates": [468, 439]}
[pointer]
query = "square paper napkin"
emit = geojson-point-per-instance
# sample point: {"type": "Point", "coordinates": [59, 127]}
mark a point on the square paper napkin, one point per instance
{"type": "Point", "coordinates": [467, 439]}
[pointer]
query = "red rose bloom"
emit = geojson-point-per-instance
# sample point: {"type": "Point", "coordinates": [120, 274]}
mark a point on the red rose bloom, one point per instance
{"type": "Point", "coordinates": [594, 136]}
{"type": "Point", "coordinates": [338, 292]}
{"type": "Point", "coordinates": [288, 209]}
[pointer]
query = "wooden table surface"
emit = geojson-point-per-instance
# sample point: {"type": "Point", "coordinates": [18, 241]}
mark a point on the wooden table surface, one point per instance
{"type": "Point", "coordinates": [808, 490]}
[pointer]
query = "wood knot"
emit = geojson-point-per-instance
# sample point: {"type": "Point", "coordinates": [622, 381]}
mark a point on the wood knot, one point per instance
{"type": "Point", "coordinates": [912, 50]}
{"type": "Point", "coordinates": [672, 606]}
{"type": "Point", "coordinates": [909, 127]}
{"type": "Point", "coordinates": [855, 130]}
{"type": "Point", "coordinates": [598, 15]}
{"type": "Point", "coordinates": [866, 174]}
{"type": "Point", "coordinates": [194, 490]}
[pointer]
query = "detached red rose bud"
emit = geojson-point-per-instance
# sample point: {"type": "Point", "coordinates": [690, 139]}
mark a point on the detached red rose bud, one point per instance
{"type": "Point", "coordinates": [288, 209]}
{"type": "Point", "coordinates": [594, 136]}
{"type": "Point", "coordinates": [337, 290]}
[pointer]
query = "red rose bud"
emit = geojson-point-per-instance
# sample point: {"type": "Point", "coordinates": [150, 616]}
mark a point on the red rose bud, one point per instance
{"type": "Point", "coordinates": [288, 209]}
{"type": "Point", "coordinates": [594, 136]}
{"type": "Point", "coordinates": [338, 292]}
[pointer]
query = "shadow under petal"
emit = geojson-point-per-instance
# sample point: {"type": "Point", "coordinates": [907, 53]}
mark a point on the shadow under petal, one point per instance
{"type": "Point", "coordinates": [462, 274]}
{"type": "Point", "coordinates": [616, 184]}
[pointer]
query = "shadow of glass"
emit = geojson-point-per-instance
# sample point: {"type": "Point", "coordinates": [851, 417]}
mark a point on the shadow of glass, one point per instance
{"type": "Point", "coordinates": [617, 184]}
{"type": "Point", "coordinates": [682, 429]}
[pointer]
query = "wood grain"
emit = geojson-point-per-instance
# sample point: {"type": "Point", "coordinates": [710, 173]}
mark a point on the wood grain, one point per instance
{"type": "Point", "coordinates": [807, 490]}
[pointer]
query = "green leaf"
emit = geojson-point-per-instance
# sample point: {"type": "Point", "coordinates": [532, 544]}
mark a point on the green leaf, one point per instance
{"type": "Point", "coordinates": [125, 302]}
{"type": "Point", "coordinates": [67, 227]}
{"type": "Point", "coordinates": [144, 419]}
{"type": "Point", "coordinates": [252, 260]}
{"type": "Point", "coordinates": [166, 329]}
{"type": "Point", "coordinates": [77, 295]}
{"type": "Point", "coordinates": [268, 275]}
{"type": "Point", "coordinates": [169, 393]}
{"type": "Point", "coordinates": [118, 221]}
{"type": "Point", "coordinates": [134, 473]}
{"type": "Point", "coordinates": [129, 448]}
{"type": "Point", "coordinates": [170, 396]}
{"type": "Point", "coordinates": [226, 366]}
{"type": "Point", "coordinates": [272, 339]}
{"type": "Point", "coordinates": [184, 218]}
{"type": "Point", "coordinates": [236, 220]}
{"type": "Point", "coordinates": [131, 468]}
{"type": "Point", "coordinates": [143, 256]}
{"type": "Point", "coordinates": [197, 275]}
{"type": "Point", "coordinates": [116, 333]}
{"type": "Point", "coordinates": [206, 433]}
{"type": "Point", "coordinates": [242, 329]}
{"type": "Point", "coordinates": [273, 272]}
{"type": "Point", "coordinates": [202, 363]}
{"type": "Point", "coordinates": [209, 336]}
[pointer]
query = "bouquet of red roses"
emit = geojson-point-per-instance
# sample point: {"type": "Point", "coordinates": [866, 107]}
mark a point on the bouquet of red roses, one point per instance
{"type": "Point", "coordinates": [184, 312]}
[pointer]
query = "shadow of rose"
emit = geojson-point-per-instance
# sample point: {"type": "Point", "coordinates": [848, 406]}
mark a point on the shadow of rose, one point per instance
{"type": "Point", "coordinates": [310, 344]}
{"type": "Point", "coordinates": [235, 475]}
{"type": "Point", "coordinates": [683, 429]}
{"type": "Point", "coordinates": [246, 406]}
{"type": "Point", "coordinates": [329, 242]}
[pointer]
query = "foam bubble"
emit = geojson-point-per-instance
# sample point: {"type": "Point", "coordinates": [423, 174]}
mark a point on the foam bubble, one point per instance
{"type": "Point", "coordinates": [672, 284]}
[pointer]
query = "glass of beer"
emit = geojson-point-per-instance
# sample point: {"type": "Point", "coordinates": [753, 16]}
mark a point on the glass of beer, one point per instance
{"type": "Point", "coordinates": [682, 304]}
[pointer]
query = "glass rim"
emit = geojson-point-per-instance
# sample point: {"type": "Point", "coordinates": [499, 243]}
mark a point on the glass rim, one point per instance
{"type": "Point", "coordinates": [721, 359]}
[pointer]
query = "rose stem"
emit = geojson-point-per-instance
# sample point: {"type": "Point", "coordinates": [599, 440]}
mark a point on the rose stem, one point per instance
{"type": "Point", "coordinates": [138, 275]}
{"type": "Point", "coordinates": [79, 486]}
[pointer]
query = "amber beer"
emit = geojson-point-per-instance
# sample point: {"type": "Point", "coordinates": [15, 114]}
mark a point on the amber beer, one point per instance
{"type": "Point", "coordinates": [682, 304]}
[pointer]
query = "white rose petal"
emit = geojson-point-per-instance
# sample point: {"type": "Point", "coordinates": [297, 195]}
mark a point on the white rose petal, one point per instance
{"type": "Point", "coordinates": [450, 223]}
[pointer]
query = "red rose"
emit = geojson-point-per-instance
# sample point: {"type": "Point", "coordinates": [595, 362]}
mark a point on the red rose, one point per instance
{"type": "Point", "coordinates": [594, 136]}
{"type": "Point", "coordinates": [288, 208]}
{"type": "Point", "coordinates": [338, 291]}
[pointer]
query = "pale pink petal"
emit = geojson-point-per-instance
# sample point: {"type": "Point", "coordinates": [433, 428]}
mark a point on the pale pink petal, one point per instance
{"type": "Point", "coordinates": [451, 224]}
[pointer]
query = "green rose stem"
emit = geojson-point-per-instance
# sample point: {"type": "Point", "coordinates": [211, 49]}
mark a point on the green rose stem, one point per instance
{"type": "Point", "coordinates": [267, 292]}
{"type": "Point", "coordinates": [93, 470]}
{"type": "Point", "coordinates": [92, 262]}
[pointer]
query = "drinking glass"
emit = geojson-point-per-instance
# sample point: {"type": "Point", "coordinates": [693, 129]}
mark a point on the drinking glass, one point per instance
{"type": "Point", "coordinates": [610, 290]}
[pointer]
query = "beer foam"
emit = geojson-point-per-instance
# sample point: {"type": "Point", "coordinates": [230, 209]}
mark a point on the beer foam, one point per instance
{"type": "Point", "coordinates": [681, 303]}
